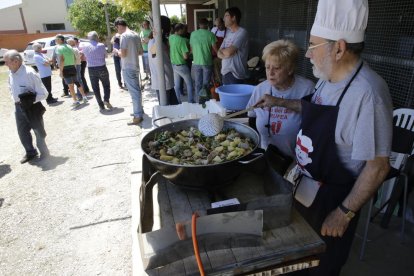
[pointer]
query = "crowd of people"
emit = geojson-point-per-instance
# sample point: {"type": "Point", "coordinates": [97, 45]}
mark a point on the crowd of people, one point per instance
{"type": "Point", "coordinates": [339, 131]}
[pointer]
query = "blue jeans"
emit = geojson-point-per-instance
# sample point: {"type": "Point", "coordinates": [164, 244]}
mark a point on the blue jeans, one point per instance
{"type": "Point", "coordinates": [79, 76]}
{"type": "Point", "coordinates": [132, 82]}
{"type": "Point", "coordinates": [230, 79]}
{"type": "Point", "coordinates": [23, 129]}
{"type": "Point", "coordinates": [202, 76]}
{"type": "Point", "coordinates": [145, 62]}
{"type": "Point", "coordinates": [182, 71]}
{"type": "Point", "coordinates": [96, 74]}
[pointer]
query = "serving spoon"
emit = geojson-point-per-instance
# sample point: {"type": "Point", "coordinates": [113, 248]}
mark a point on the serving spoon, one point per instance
{"type": "Point", "coordinates": [212, 123]}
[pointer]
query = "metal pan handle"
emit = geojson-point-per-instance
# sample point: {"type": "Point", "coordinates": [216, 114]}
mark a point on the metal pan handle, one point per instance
{"type": "Point", "coordinates": [165, 117]}
{"type": "Point", "coordinates": [257, 155]}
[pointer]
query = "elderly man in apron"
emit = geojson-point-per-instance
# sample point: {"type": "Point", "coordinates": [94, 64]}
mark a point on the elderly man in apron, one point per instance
{"type": "Point", "coordinates": [344, 142]}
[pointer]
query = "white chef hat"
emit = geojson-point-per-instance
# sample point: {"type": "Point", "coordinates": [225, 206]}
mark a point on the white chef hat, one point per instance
{"type": "Point", "coordinates": [341, 19]}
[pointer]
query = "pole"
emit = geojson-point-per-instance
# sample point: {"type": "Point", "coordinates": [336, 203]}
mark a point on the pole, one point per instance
{"type": "Point", "coordinates": [108, 29]}
{"type": "Point", "coordinates": [156, 14]}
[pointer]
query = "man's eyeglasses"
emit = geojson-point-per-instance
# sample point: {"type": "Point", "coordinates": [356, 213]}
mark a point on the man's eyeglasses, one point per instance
{"type": "Point", "coordinates": [311, 47]}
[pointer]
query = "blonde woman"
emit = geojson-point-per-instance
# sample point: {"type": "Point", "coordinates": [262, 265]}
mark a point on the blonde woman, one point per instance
{"type": "Point", "coordinates": [278, 125]}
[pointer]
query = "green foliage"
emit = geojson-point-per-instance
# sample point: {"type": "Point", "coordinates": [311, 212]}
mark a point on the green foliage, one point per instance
{"type": "Point", "coordinates": [134, 5]}
{"type": "Point", "coordinates": [89, 15]}
{"type": "Point", "coordinates": [184, 19]}
{"type": "Point", "coordinates": [174, 19]}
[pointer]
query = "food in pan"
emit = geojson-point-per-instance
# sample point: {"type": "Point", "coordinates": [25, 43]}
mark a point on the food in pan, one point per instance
{"type": "Point", "coordinates": [190, 147]}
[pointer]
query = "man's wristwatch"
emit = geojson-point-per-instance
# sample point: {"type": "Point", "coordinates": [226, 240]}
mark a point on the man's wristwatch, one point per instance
{"type": "Point", "coordinates": [348, 213]}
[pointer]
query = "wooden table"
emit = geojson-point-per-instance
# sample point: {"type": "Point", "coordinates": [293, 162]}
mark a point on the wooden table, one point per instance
{"type": "Point", "coordinates": [279, 250]}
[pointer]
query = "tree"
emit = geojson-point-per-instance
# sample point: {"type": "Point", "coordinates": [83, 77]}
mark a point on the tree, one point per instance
{"type": "Point", "coordinates": [134, 5]}
{"type": "Point", "coordinates": [174, 19]}
{"type": "Point", "coordinates": [89, 15]}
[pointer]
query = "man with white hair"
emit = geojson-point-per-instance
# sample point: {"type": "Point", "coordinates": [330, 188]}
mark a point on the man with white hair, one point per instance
{"type": "Point", "coordinates": [27, 90]}
{"type": "Point", "coordinates": [130, 49]}
{"type": "Point", "coordinates": [349, 122]}
{"type": "Point", "coordinates": [95, 53]}
{"type": "Point", "coordinates": [45, 72]}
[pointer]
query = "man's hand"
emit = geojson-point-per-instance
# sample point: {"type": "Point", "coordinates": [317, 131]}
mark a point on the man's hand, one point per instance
{"type": "Point", "coordinates": [268, 101]}
{"type": "Point", "coordinates": [335, 224]}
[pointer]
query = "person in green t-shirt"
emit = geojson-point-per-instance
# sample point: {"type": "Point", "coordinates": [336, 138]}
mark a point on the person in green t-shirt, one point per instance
{"type": "Point", "coordinates": [145, 32]}
{"type": "Point", "coordinates": [179, 54]}
{"type": "Point", "coordinates": [202, 42]}
{"type": "Point", "coordinates": [67, 66]}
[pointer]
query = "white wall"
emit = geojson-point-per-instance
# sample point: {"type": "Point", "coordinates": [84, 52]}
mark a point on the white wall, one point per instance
{"type": "Point", "coordinates": [39, 12]}
{"type": "Point", "coordinates": [10, 19]}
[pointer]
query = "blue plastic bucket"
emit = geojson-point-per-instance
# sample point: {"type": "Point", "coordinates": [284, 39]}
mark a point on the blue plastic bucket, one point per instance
{"type": "Point", "coordinates": [235, 96]}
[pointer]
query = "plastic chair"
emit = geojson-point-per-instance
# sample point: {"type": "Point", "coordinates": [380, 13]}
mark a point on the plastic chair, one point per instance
{"type": "Point", "coordinates": [402, 145]}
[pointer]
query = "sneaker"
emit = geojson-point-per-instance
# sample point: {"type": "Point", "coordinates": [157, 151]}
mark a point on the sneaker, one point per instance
{"type": "Point", "coordinates": [76, 103]}
{"type": "Point", "coordinates": [64, 95]}
{"type": "Point", "coordinates": [85, 100]}
{"type": "Point", "coordinates": [27, 158]}
{"type": "Point", "coordinates": [135, 121]}
{"type": "Point", "coordinates": [108, 105]}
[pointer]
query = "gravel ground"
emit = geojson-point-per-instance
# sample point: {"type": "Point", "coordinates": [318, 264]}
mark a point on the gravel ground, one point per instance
{"type": "Point", "coordinates": [69, 214]}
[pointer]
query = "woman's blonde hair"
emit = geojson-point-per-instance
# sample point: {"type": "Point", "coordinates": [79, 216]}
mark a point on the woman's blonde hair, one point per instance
{"type": "Point", "coordinates": [285, 51]}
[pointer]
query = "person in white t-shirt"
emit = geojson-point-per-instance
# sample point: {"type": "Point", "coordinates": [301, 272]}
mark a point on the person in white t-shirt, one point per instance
{"type": "Point", "coordinates": [279, 125]}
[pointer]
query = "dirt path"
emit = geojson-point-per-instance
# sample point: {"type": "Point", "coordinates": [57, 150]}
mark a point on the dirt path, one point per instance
{"type": "Point", "coordinates": [69, 214]}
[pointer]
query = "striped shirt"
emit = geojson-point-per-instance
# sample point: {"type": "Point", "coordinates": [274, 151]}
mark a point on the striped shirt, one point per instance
{"type": "Point", "coordinates": [95, 53]}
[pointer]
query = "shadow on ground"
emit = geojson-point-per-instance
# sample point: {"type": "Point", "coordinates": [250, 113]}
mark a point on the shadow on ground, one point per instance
{"type": "Point", "coordinates": [4, 169]}
{"type": "Point", "coordinates": [49, 163]}
{"type": "Point", "coordinates": [99, 222]}
{"type": "Point", "coordinates": [56, 103]}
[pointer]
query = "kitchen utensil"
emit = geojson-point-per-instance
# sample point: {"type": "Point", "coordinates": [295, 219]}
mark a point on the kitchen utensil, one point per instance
{"type": "Point", "coordinates": [211, 124]}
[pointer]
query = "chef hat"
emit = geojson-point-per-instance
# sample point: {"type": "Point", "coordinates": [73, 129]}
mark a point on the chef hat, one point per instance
{"type": "Point", "coordinates": [341, 19]}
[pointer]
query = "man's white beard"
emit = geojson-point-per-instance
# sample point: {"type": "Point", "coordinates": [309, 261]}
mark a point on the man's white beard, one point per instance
{"type": "Point", "coordinates": [325, 70]}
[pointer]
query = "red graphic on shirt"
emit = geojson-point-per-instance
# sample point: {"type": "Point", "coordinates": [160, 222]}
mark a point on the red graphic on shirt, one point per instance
{"type": "Point", "coordinates": [278, 116]}
{"type": "Point", "coordinates": [318, 99]}
{"type": "Point", "coordinates": [276, 126]}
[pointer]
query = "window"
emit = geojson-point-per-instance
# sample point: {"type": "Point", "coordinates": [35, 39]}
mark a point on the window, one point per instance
{"type": "Point", "coordinates": [69, 2]}
{"type": "Point", "coordinates": [54, 27]}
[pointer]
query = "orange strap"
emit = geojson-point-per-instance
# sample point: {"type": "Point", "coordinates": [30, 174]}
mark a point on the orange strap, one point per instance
{"type": "Point", "coordinates": [195, 243]}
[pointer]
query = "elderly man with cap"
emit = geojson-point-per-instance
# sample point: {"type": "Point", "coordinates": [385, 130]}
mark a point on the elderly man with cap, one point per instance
{"type": "Point", "coordinates": [27, 90]}
{"type": "Point", "coordinates": [95, 53]}
{"type": "Point", "coordinates": [345, 137]}
{"type": "Point", "coordinates": [130, 49]}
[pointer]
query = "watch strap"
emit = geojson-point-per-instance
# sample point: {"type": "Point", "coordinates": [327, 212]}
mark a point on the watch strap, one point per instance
{"type": "Point", "coordinates": [350, 214]}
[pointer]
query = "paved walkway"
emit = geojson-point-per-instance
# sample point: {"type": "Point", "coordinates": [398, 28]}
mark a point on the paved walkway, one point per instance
{"type": "Point", "coordinates": [70, 214]}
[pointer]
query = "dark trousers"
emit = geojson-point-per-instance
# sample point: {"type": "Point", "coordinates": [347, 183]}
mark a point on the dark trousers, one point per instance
{"type": "Point", "coordinates": [47, 82]}
{"type": "Point", "coordinates": [171, 97]}
{"type": "Point", "coordinates": [84, 83]}
{"type": "Point", "coordinates": [230, 79]}
{"type": "Point", "coordinates": [96, 74]}
{"type": "Point", "coordinates": [117, 63]}
{"type": "Point", "coordinates": [65, 87]}
{"type": "Point", "coordinates": [23, 129]}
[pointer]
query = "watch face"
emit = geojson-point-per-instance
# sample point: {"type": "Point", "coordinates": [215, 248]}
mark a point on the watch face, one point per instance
{"type": "Point", "coordinates": [350, 214]}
